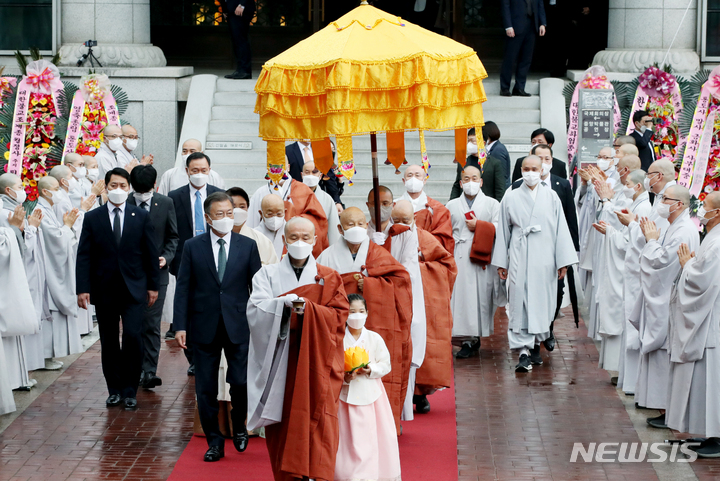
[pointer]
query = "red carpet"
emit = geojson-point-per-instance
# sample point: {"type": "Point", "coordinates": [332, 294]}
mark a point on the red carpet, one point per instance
{"type": "Point", "coordinates": [428, 451]}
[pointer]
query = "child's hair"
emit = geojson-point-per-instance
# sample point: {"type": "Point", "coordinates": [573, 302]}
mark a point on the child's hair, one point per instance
{"type": "Point", "coordinates": [357, 297]}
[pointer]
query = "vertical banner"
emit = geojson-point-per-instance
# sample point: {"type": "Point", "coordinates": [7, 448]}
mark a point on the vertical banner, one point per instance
{"type": "Point", "coordinates": [346, 165]}
{"type": "Point", "coordinates": [275, 161]}
{"type": "Point", "coordinates": [461, 145]}
{"type": "Point", "coordinates": [396, 148]}
{"type": "Point", "coordinates": [322, 153]}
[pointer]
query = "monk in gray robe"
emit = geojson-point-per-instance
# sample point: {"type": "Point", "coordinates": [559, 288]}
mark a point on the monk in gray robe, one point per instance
{"type": "Point", "coordinates": [533, 249]}
{"type": "Point", "coordinates": [659, 266]}
{"type": "Point", "coordinates": [694, 337]}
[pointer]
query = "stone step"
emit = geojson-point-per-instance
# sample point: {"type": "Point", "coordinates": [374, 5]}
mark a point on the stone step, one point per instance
{"type": "Point", "coordinates": [228, 85]}
{"type": "Point", "coordinates": [492, 87]}
{"type": "Point", "coordinates": [246, 99]}
{"type": "Point", "coordinates": [231, 112]}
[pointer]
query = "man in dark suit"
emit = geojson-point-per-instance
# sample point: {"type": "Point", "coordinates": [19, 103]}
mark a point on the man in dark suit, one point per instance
{"type": "Point", "coordinates": [162, 216]}
{"type": "Point", "coordinates": [118, 271]}
{"type": "Point", "coordinates": [188, 201]}
{"type": "Point", "coordinates": [239, 14]}
{"type": "Point", "coordinates": [522, 19]}
{"type": "Point", "coordinates": [495, 148]}
{"type": "Point", "coordinates": [564, 191]}
{"type": "Point", "coordinates": [642, 134]}
{"type": "Point", "coordinates": [213, 287]}
{"type": "Point", "coordinates": [492, 172]}
{"type": "Point", "coordinates": [297, 154]}
{"type": "Point", "coordinates": [542, 136]}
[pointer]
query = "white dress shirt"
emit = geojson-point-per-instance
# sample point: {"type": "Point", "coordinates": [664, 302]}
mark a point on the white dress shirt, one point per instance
{"type": "Point", "coordinates": [111, 211]}
{"type": "Point", "coordinates": [203, 196]}
{"type": "Point", "coordinates": [216, 247]}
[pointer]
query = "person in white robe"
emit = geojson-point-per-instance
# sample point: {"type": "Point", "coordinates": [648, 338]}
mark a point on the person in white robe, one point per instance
{"type": "Point", "coordinates": [659, 266]}
{"type": "Point", "coordinates": [17, 317]}
{"type": "Point", "coordinates": [272, 212]}
{"type": "Point", "coordinates": [618, 287]}
{"type": "Point", "coordinates": [533, 249]}
{"type": "Point", "coordinates": [241, 202]}
{"type": "Point", "coordinates": [472, 297]}
{"type": "Point", "coordinates": [61, 336]}
{"type": "Point", "coordinates": [177, 176]}
{"type": "Point", "coordinates": [404, 248]}
{"type": "Point", "coordinates": [83, 188]}
{"type": "Point", "coordinates": [107, 154]}
{"type": "Point", "coordinates": [386, 206]}
{"type": "Point", "coordinates": [311, 177]}
{"type": "Point", "coordinates": [694, 337]}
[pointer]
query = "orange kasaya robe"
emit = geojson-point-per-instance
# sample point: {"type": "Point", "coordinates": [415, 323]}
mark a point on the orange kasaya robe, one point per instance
{"type": "Point", "coordinates": [438, 270]}
{"type": "Point", "coordinates": [438, 223]}
{"type": "Point", "coordinates": [388, 293]}
{"type": "Point", "coordinates": [305, 442]}
{"type": "Point", "coordinates": [305, 204]}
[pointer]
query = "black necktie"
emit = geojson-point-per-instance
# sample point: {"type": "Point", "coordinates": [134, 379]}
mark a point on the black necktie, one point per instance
{"type": "Point", "coordinates": [144, 205]}
{"type": "Point", "coordinates": [117, 231]}
{"type": "Point", "coordinates": [529, 7]}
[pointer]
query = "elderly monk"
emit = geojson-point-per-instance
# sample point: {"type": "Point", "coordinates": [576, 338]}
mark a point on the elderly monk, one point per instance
{"type": "Point", "coordinates": [694, 405]}
{"type": "Point", "coordinates": [386, 206]}
{"type": "Point", "coordinates": [272, 212]}
{"type": "Point", "coordinates": [300, 201]}
{"type": "Point", "coordinates": [659, 266]}
{"type": "Point", "coordinates": [370, 270]}
{"type": "Point", "coordinates": [430, 215]}
{"type": "Point", "coordinates": [296, 358]}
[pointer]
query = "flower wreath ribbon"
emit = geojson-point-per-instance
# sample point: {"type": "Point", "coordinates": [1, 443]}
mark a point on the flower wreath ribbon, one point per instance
{"type": "Point", "coordinates": [41, 77]}
{"type": "Point", "coordinates": [595, 78]}
{"type": "Point", "coordinates": [697, 148]}
{"type": "Point", "coordinates": [94, 88]}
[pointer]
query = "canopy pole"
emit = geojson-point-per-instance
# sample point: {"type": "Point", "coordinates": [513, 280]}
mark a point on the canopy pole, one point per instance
{"type": "Point", "coordinates": [376, 182]}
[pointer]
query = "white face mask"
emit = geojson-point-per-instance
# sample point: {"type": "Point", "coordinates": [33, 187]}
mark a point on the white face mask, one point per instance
{"type": "Point", "coordinates": [20, 195]}
{"type": "Point", "coordinates": [73, 184]}
{"type": "Point", "coordinates": [140, 198]}
{"type": "Point", "coordinates": [472, 148]}
{"type": "Point", "coordinates": [223, 225]}
{"type": "Point", "coordinates": [199, 179]}
{"type": "Point", "coordinates": [413, 185]}
{"type": "Point", "coordinates": [604, 164]}
{"type": "Point", "coordinates": [629, 191]}
{"type": "Point", "coordinates": [131, 144]}
{"type": "Point", "coordinates": [663, 210]}
{"type": "Point", "coordinates": [59, 196]}
{"type": "Point", "coordinates": [546, 169]}
{"type": "Point", "coordinates": [531, 178]}
{"type": "Point", "coordinates": [80, 172]}
{"type": "Point", "coordinates": [299, 250]}
{"type": "Point", "coordinates": [701, 215]}
{"type": "Point", "coordinates": [93, 174]}
{"type": "Point", "coordinates": [117, 196]}
{"type": "Point", "coordinates": [115, 144]}
{"type": "Point", "coordinates": [643, 129]}
{"type": "Point", "coordinates": [355, 235]}
{"type": "Point", "coordinates": [240, 216]}
{"type": "Point", "coordinates": [385, 212]}
{"type": "Point", "coordinates": [311, 180]}
{"type": "Point", "coordinates": [356, 320]}
{"type": "Point", "coordinates": [273, 223]}
{"type": "Point", "coordinates": [471, 188]}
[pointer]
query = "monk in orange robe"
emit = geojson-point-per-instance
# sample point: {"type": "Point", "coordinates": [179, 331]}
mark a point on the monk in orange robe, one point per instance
{"type": "Point", "coordinates": [302, 202]}
{"type": "Point", "coordinates": [385, 285]}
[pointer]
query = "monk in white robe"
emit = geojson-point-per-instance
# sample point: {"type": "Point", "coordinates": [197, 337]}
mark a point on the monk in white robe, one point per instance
{"type": "Point", "coordinates": [472, 297]}
{"type": "Point", "coordinates": [659, 266]}
{"type": "Point", "coordinates": [241, 202]}
{"type": "Point", "coordinates": [311, 177]}
{"type": "Point", "coordinates": [296, 362]}
{"type": "Point", "coordinates": [694, 337]}
{"type": "Point", "coordinates": [61, 336]}
{"type": "Point", "coordinates": [533, 249]}
{"type": "Point", "coordinates": [272, 212]}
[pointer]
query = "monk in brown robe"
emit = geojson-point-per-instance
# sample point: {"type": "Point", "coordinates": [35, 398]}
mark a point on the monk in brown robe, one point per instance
{"type": "Point", "coordinates": [302, 202]}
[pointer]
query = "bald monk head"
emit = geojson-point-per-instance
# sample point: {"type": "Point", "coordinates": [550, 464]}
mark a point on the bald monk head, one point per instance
{"type": "Point", "coordinates": [414, 179]}
{"type": "Point", "coordinates": [626, 165]}
{"type": "Point", "coordinates": [403, 213]}
{"type": "Point", "coordinates": [272, 211]}
{"type": "Point", "coordinates": [659, 174]}
{"type": "Point", "coordinates": [386, 203]}
{"type": "Point", "coordinates": [112, 137]}
{"type": "Point", "coordinates": [311, 175]}
{"type": "Point", "coordinates": [190, 146]}
{"type": "Point", "coordinates": [678, 198]}
{"type": "Point", "coordinates": [46, 186]}
{"type": "Point", "coordinates": [634, 181]}
{"type": "Point", "coordinates": [130, 137]}
{"type": "Point", "coordinates": [299, 237]}
{"type": "Point", "coordinates": [626, 149]}
{"type": "Point", "coordinates": [11, 185]}
{"type": "Point", "coordinates": [710, 211]}
{"type": "Point", "coordinates": [64, 176]}
{"type": "Point", "coordinates": [471, 181]}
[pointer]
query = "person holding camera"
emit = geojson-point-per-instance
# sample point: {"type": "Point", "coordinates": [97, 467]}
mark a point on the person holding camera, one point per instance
{"type": "Point", "coordinates": [642, 134]}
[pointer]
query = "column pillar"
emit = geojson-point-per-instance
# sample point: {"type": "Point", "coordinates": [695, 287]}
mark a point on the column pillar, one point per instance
{"type": "Point", "coordinates": [121, 28]}
{"type": "Point", "coordinates": [641, 31]}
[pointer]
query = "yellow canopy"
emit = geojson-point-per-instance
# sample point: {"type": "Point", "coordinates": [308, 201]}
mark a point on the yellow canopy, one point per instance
{"type": "Point", "coordinates": [369, 72]}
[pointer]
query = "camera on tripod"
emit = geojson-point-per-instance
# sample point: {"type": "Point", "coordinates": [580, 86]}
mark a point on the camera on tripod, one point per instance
{"type": "Point", "coordinates": [91, 43]}
{"type": "Point", "coordinates": [89, 55]}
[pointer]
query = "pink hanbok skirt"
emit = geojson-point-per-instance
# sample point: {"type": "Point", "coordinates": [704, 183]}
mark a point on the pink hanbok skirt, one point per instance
{"type": "Point", "coordinates": [368, 448]}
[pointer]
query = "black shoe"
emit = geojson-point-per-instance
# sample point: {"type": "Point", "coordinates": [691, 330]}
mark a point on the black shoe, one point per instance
{"type": "Point", "coordinates": [505, 93]}
{"type": "Point", "coordinates": [520, 93]}
{"type": "Point", "coordinates": [214, 453]}
{"type": "Point", "coordinates": [710, 448]}
{"type": "Point", "coordinates": [238, 75]}
{"type": "Point", "coordinates": [535, 358]}
{"type": "Point", "coordinates": [130, 403]}
{"type": "Point", "coordinates": [113, 400]}
{"type": "Point", "coordinates": [150, 380]}
{"type": "Point", "coordinates": [191, 370]}
{"type": "Point", "coordinates": [240, 441]}
{"type": "Point", "coordinates": [524, 364]}
{"type": "Point", "coordinates": [658, 422]}
{"type": "Point", "coordinates": [422, 405]}
{"type": "Point", "coordinates": [614, 380]}
{"type": "Point", "coordinates": [468, 349]}
{"type": "Point", "coordinates": [549, 343]}
{"type": "Point", "coordinates": [170, 335]}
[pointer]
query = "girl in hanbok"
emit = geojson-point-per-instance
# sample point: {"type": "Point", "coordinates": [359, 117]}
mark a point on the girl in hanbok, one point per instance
{"type": "Point", "coordinates": [368, 448]}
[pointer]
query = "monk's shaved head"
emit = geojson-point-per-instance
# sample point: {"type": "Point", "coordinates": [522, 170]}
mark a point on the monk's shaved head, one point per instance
{"type": "Point", "coordinates": [90, 162]}
{"type": "Point", "coordinates": [384, 192]}
{"type": "Point", "coordinates": [299, 225]}
{"type": "Point", "coordinates": [9, 180]}
{"type": "Point", "coordinates": [128, 129]}
{"type": "Point", "coordinates": [272, 201]}
{"type": "Point", "coordinates": [632, 162]}
{"type": "Point", "coordinates": [352, 217]}
{"type": "Point", "coordinates": [403, 213]}
{"type": "Point", "coordinates": [532, 160]}
{"type": "Point", "coordinates": [112, 129]}
{"type": "Point", "coordinates": [638, 177]}
{"type": "Point", "coordinates": [73, 158]}
{"type": "Point", "coordinates": [666, 167]}
{"type": "Point", "coordinates": [414, 170]}
{"type": "Point", "coordinates": [628, 149]}
{"type": "Point", "coordinates": [678, 192]}
{"type": "Point", "coordinates": [47, 183]}
{"type": "Point", "coordinates": [190, 146]}
{"type": "Point", "coordinates": [625, 139]}
{"type": "Point", "coordinates": [712, 201]}
{"type": "Point", "coordinates": [471, 169]}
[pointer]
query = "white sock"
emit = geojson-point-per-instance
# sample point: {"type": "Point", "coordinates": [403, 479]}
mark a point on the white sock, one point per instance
{"type": "Point", "coordinates": [525, 351]}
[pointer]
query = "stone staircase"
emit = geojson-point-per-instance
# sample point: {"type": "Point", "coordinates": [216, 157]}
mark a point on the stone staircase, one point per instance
{"type": "Point", "coordinates": [239, 155]}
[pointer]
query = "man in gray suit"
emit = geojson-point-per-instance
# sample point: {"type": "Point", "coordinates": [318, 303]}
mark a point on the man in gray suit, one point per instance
{"type": "Point", "coordinates": [162, 216]}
